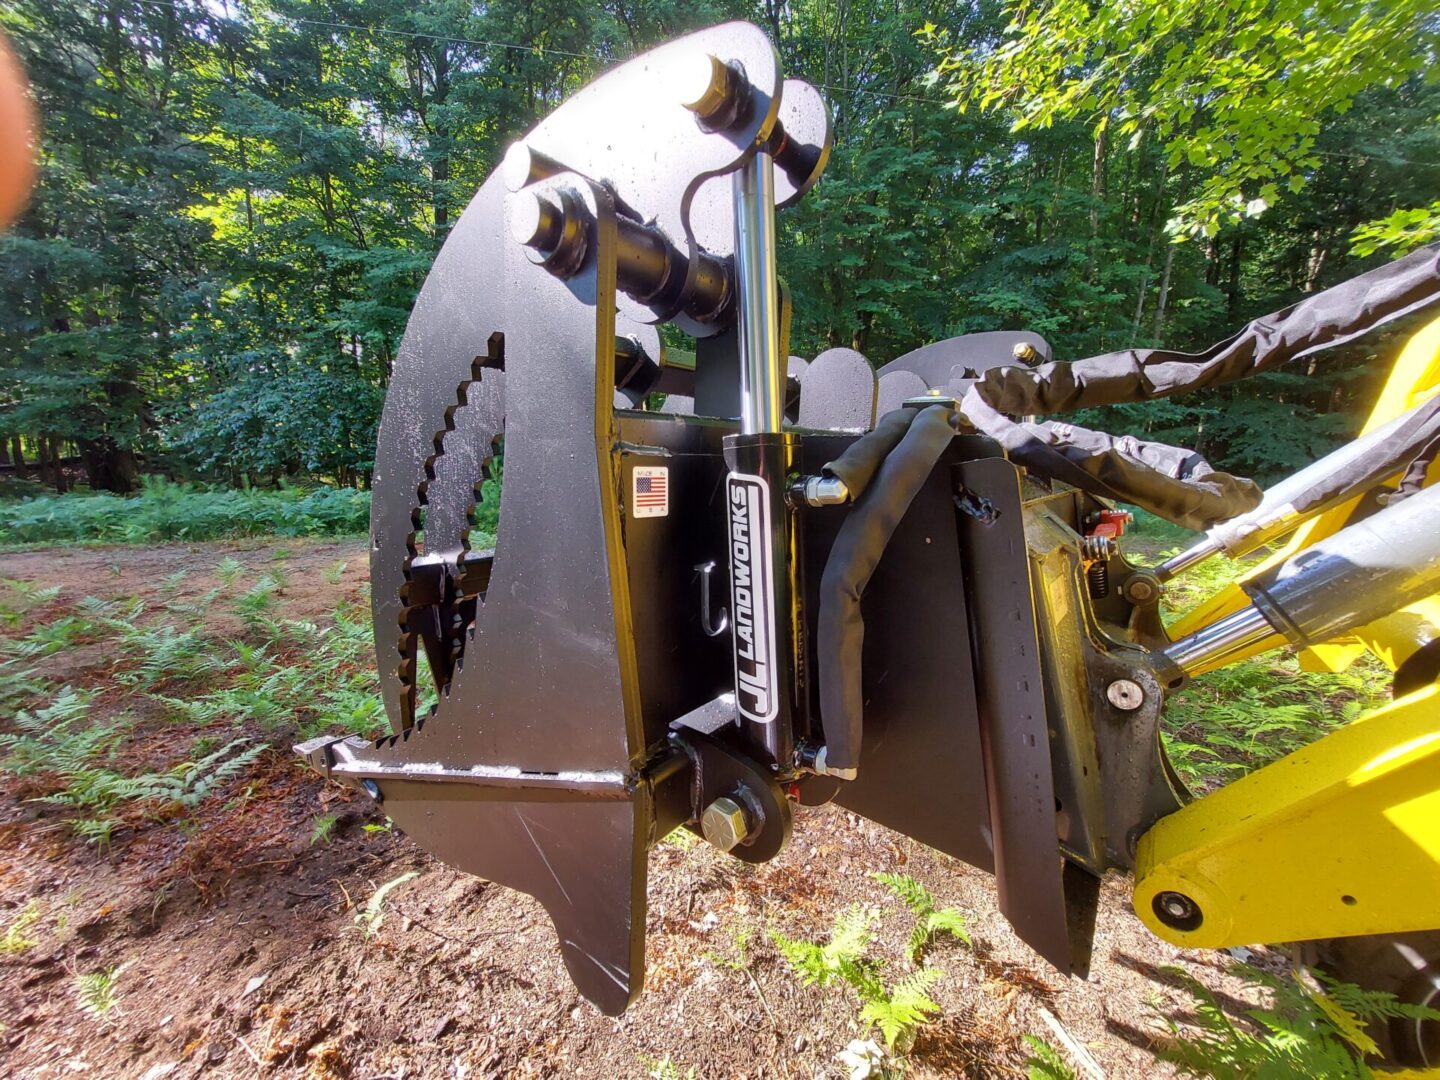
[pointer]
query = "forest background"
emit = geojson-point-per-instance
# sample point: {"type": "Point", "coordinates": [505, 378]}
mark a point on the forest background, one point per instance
{"type": "Point", "coordinates": [240, 198]}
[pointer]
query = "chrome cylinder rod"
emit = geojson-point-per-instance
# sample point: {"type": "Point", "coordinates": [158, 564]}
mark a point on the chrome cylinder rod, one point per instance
{"type": "Point", "coordinates": [1361, 573]}
{"type": "Point", "coordinates": [1276, 515]}
{"type": "Point", "coordinates": [762, 372]}
{"type": "Point", "coordinates": [1221, 642]}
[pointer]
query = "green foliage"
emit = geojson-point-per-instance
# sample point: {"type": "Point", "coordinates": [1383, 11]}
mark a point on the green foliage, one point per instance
{"type": "Point", "coordinates": [324, 829]}
{"type": "Point", "coordinates": [929, 920]}
{"type": "Point", "coordinates": [1312, 1030]}
{"type": "Point", "coordinates": [163, 654]}
{"type": "Point", "coordinates": [229, 571]}
{"type": "Point", "coordinates": [681, 837]}
{"type": "Point", "coordinates": [370, 918]}
{"type": "Point", "coordinates": [98, 791]}
{"type": "Point", "coordinates": [52, 637]}
{"type": "Point", "coordinates": [95, 993]}
{"type": "Point", "coordinates": [1241, 108]}
{"type": "Point", "coordinates": [59, 738]}
{"type": "Point", "coordinates": [1229, 722]}
{"type": "Point", "coordinates": [898, 1011]}
{"type": "Point", "coordinates": [902, 1009]}
{"type": "Point", "coordinates": [1401, 232]}
{"type": "Point", "coordinates": [257, 603]}
{"type": "Point", "coordinates": [665, 1069]}
{"type": "Point", "coordinates": [168, 512]}
{"type": "Point", "coordinates": [1045, 1062]}
{"type": "Point", "coordinates": [298, 168]}
{"type": "Point", "coordinates": [19, 597]}
{"type": "Point", "coordinates": [737, 958]}
{"type": "Point", "coordinates": [16, 938]}
{"type": "Point", "coordinates": [330, 688]}
{"type": "Point", "coordinates": [840, 959]}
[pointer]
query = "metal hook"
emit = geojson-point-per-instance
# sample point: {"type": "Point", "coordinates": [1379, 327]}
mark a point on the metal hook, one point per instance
{"type": "Point", "coordinates": [722, 621]}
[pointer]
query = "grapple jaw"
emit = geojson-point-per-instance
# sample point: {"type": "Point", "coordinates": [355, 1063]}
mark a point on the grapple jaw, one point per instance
{"type": "Point", "coordinates": [638, 649]}
{"type": "Point", "coordinates": [574, 841]}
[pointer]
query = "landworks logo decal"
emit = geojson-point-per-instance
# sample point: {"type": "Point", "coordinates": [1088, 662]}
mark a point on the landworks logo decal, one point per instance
{"type": "Point", "coordinates": [751, 589]}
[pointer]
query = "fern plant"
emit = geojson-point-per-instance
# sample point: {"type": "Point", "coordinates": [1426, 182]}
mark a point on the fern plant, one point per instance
{"type": "Point", "coordinates": [97, 791]}
{"type": "Point", "coordinates": [1252, 713]}
{"type": "Point", "coordinates": [192, 782]}
{"type": "Point", "coordinates": [901, 1010]}
{"type": "Point", "coordinates": [255, 605]}
{"type": "Point", "coordinates": [163, 654]}
{"type": "Point", "coordinates": [16, 938]}
{"type": "Point", "coordinates": [841, 958]}
{"type": "Point", "coordinates": [229, 570]}
{"type": "Point", "coordinates": [929, 919]}
{"type": "Point", "coordinates": [59, 738]}
{"type": "Point", "coordinates": [665, 1069]}
{"type": "Point", "coordinates": [53, 637]}
{"type": "Point", "coordinates": [1045, 1062]}
{"type": "Point", "coordinates": [22, 596]}
{"type": "Point", "coordinates": [95, 993]}
{"type": "Point", "coordinates": [898, 1011]}
{"type": "Point", "coordinates": [1310, 1029]}
{"type": "Point", "coordinates": [324, 829]}
{"type": "Point", "coordinates": [370, 918]}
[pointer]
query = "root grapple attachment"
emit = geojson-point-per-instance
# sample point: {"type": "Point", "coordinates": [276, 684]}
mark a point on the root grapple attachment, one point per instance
{"type": "Point", "coordinates": [727, 582]}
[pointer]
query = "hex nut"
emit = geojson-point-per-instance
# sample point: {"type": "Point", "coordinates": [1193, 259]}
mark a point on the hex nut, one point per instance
{"type": "Point", "coordinates": [702, 83]}
{"type": "Point", "coordinates": [724, 824]}
{"type": "Point", "coordinates": [1125, 694]}
{"type": "Point", "coordinates": [1025, 351]}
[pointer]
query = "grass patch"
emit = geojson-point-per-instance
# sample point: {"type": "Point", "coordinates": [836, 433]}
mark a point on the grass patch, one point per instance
{"type": "Point", "coordinates": [165, 511]}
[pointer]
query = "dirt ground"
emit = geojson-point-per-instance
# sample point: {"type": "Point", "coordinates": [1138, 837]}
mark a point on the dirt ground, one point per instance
{"type": "Point", "coordinates": [240, 954]}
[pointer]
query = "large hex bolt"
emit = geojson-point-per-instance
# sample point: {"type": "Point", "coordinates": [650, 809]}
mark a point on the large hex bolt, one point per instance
{"type": "Point", "coordinates": [725, 823]}
{"type": "Point", "coordinates": [711, 89]}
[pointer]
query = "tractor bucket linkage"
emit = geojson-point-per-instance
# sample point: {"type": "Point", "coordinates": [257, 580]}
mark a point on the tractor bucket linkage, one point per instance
{"type": "Point", "coordinates": [728, 582]}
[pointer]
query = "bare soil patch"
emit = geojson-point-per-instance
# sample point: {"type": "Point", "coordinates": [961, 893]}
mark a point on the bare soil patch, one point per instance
{"type": "Point", "coordinates": [242, 954]}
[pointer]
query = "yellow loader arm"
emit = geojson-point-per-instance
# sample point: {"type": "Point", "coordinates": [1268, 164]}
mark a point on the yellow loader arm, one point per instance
{"type": "Point", "coordinates": [1342, 838]}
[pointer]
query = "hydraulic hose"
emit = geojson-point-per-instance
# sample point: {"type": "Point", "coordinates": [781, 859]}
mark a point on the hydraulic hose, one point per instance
{"type": "Point", "coordinates": [885, 494]}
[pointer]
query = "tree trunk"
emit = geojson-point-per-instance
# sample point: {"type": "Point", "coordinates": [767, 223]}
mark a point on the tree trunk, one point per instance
{"type": "Point", "coordinates": [17, 452]}
{"type": "Point", "coordinates": [110, 467]}
{"type": "Point", "coordinates": [1182, 195]}
{"type": "Point", "coordinates": [1232, 289]}
{"type": "Point", "coordinates": [440, 169]}
{"type": "Point", "coordinates": [1097, 195]}
{"type": "Point", "coordinates": [1156, 236]}
{"type": "Point", "coordinates": [1164, 291]}
{"type": "Point", "coordinates": [51, 470]}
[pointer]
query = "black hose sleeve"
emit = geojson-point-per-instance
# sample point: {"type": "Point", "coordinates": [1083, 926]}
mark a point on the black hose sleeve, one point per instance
{"type": "Point", "coordinates": [1178, 485]}
{"type": "Point", "coordinates": [858, 548]}
{"type": "Point", "coordinates": [857, 466]}
{"type": "Point", "coordinates": [1322, 321]}
{"type": "Point", "coordinates": [1195, 495]}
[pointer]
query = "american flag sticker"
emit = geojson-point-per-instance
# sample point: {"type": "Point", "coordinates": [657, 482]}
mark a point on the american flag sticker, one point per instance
{"type": "Point", "coordinates": [650, 491]}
